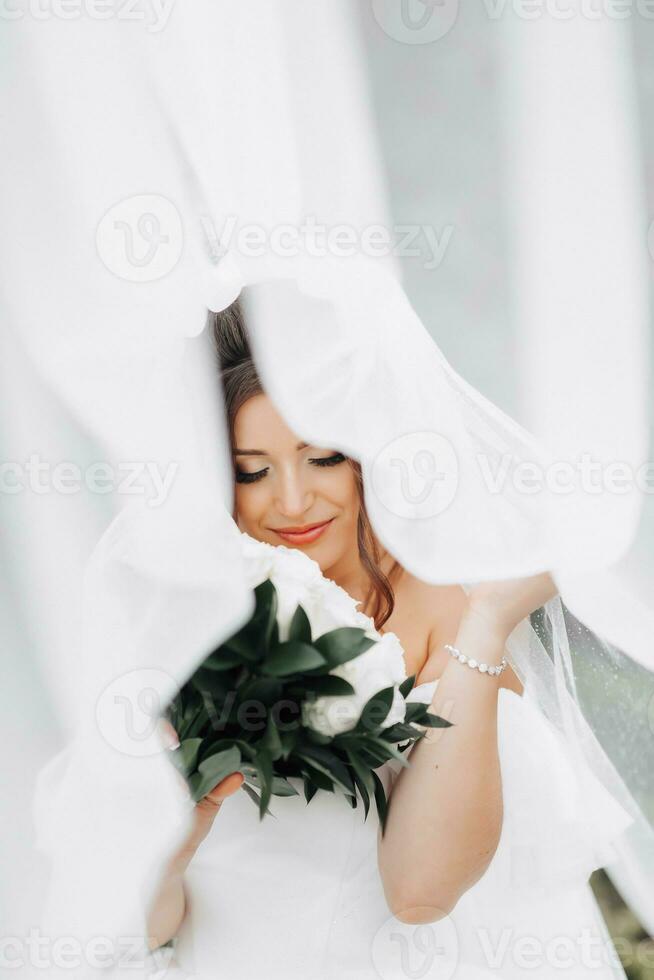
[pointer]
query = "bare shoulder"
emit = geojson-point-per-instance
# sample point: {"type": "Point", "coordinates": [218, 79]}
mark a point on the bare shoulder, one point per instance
{"type": "Point", "coordinates": [439, 609]}
{"type": "Point", "coordinates": [431, 603]}
{"type": "Point", "coordinates": [422, 610]}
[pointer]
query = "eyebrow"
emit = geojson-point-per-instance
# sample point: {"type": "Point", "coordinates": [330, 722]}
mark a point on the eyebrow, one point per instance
{"type": "Point", "coordinates": [260, 452]}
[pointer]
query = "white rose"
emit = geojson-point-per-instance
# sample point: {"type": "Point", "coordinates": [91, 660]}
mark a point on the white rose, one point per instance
{"type": "Point", "coordinates": [298, 580]}
{"type": "Point", "coordinates": [329, 607]}
{"type": "Point", "coordinates": [293, 575]}
{"type": "Point", "coordinates": [331, 716]}
{"type": "Point", "coordinates": [258, 558]}
{"type": "Point", "coordinates": [390, 651]}
{"type": "Point", "coordinates": [378, 667]}
{"type": "Point", "coordinates": [293, 564]}
{"type": "Point", "coordinates": [423, 692]}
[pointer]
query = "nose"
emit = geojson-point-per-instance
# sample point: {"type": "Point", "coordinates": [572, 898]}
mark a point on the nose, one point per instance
{"type": "Point", "coordinates": [294, 496]}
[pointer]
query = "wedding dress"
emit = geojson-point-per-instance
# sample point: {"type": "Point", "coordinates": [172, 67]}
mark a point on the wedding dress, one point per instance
{"type": "Point", "coordinates": [299, 895]}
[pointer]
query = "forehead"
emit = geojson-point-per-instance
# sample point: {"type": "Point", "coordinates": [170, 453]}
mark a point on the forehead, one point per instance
{"type": "Point", "coordinates": [258, 425]}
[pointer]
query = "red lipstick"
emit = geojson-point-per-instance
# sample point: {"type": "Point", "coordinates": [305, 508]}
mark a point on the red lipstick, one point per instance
{"type": "Point", "coordinates": [303, 534]}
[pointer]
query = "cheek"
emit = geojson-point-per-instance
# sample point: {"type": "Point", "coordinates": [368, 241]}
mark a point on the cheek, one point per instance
{"type": "Point", "coordinates": [250, 502]}
{"type": "Point", "coordinates": [344, 491]}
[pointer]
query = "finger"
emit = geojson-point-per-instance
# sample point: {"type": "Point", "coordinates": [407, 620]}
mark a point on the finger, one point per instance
{"type": "Point", "coordinates": [225, 788]}
{"type": "Point", "coordinates": [167, 733]}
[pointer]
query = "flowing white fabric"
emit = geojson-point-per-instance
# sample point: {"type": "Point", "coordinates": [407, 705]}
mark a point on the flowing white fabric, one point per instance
{"type": "Point", "coordinates": [580, 268]}
{"type": "Point", "coordinates": [211, 118]}
{"type": "Point", "coordinates": [375, 385]}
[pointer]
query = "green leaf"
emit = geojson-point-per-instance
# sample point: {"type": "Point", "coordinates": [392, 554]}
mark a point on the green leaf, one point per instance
{"type": "Point", "coordinates": [282, 787]}
{"type": "Point", "coordinates": [300, 628]}
{"type": "Point", "coordinates": [214, 769]}
{"type": "Point", "coordinates": [364, 779]}
{"type": "Point", "coordinates": [317, 737]}
{"type": "Point", "coordinates": [329, 764]}
{"type": "Point", "coordinates": [378, 751]}
{"type": "Point", "coordinates": [241, 645]}
{"type": "Point", "coordinates": [187, 753]}
{"type": "Point", "coordinates": [414, 711]}
{"type": "Point", "coordinates": [381, 801]}
{"type": "Point", "coordinates": [369, 760]}
{"type": "Point", "coordinates": [291, 657]}
{"type": "Point", "coordinates": [222, 742]}
{"type": "Point", "coordinates": [310, 789]}
{"type": "Point", "coordinates": [254, 796]}
{"type": "Point", "coordinates": [265, 616]}
{"type": "Point", "coordinates": [193, 728]}
{"type": "Point", "coordinates": [328, 685]}
{"type": "Point", "coordinates": [376, 709]}
{"type": "Point", "coordinates": [250, 771]}
{"type": "Point", "coordinates": [399, 732]}
{"type": "Point", "coordinates": [223, 659]}
{"type": "Point", "coordinates": [267, 690]}
{"type": "Point", "coordinates": [365, 795]}
{"type": "Point", "coordinates": [253, 640]}
{"type": "Point", "coordinates": [195, 787]}
{"type": "Point", "coordinates": [434, 721]}
{"type": "Point", "coordinates": [352, 800]}
{"type": "Point", "coordinates": [288, 737]}
{"type": "Point", "coordinates": [271, 740]}
{"type": "Point", "coordinates": [407, 685]}
{"type": "Point", "coordinates": [317, 776]}
{"type": "Point", "coordinates": [343, 644]}
{"type": "Point", "coordinates": [391, 750]}
{"type": "Point", "coordinates": [263, 762]}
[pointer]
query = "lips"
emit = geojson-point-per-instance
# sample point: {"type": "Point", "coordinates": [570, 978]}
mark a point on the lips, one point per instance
{"type": "Point", "coordinates": [305, 534]}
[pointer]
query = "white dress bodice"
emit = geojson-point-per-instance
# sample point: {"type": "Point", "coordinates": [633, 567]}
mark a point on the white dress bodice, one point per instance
{"type": "Point", "coordinates": [299, 896]}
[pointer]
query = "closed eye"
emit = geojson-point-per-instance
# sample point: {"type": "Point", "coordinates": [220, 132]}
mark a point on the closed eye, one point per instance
{"type": "Point", "coordinates": [328, 460]}
{"type": "Point", "coordinates": [333, 460]}
{"type": "Point", "coordinates": [242, 477]}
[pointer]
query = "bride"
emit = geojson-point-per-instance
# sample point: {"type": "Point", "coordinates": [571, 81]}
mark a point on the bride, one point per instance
{"type": "Point", "coordinates": [314, 891]}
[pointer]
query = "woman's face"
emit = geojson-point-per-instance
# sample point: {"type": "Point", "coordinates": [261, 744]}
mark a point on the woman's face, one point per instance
{"type": "Point", "coordinates": [283, 485]}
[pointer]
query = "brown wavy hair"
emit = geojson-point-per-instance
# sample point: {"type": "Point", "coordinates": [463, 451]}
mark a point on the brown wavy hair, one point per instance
{"type": "Point", "coordinates": [240, 381]}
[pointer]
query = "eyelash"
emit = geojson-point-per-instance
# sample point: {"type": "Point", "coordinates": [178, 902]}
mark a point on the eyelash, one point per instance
{"type": "Point", "coordinates": [242, 477]}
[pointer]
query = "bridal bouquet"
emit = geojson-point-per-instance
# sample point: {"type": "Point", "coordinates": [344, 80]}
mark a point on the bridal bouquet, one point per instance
{"type": "Point", "coordinates": [307, 689]}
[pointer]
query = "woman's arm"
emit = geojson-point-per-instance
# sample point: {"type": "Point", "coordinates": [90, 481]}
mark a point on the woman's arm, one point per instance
{"type": "Point", "coordinates": [167, 908]}
{"type": "Point", "coordinates": [445, 810]}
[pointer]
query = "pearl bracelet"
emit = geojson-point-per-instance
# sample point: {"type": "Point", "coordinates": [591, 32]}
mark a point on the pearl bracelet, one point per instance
{"type": "Point", "coordinates": [471, 662]}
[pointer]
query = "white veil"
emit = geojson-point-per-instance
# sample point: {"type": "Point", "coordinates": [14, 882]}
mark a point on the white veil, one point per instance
{"type": "Point", "coordinates": [127, 365]}
{"type": "Point", "coordinates": [350, 365]}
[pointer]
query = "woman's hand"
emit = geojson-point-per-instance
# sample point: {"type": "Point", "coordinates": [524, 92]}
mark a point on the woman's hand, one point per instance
{"type": "Point", "coordinates": [207, 809]}
{"type": "Point", "coordinates": [167, 908]}
{"type": "Point", "coordinates": [502, 605]}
